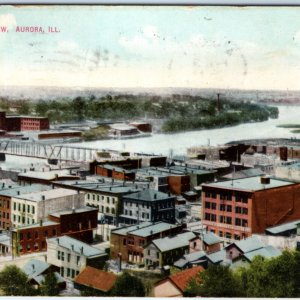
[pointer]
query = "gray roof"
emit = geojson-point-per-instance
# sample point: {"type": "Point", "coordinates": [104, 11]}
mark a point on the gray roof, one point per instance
{"type": "Point", "coordinates": [48, 194]}
{"type": "Point", "coordinates": [22, 190]}
{"type": "Point", "coordinates": [210, 239]}
{"type": "Point", "coordinates": [193, 257]}
{"type": "Point", "coordinates": [148, 195]}
{"type": "Point", "coordinates": [116, 168]}
{"type": "Point", "coordinates": [40, 278]}
{"type": "Point", "coordinates": [47, 175]}
{"type": "Point", "coordinates": [250, 184]}
{"type": "Point", "coordinates": [267, 252]}
{"type": "Point", "coordinates": [173, 242]}
{"type": "Point", "coordinates": [248, 245]}
{"type": "Point", "coordinates": [283, 227]}
{"type": "Point", "coordinates": [35, 267]}
{"type": "Point", "coordinates": [245, 173]}
{"type": "Point", "coordinates": [152, 229]}
{"type": "Point", "coordinates": [5, 239]}
{"type": "Point", "coordinates": [76, 210]}
{"type": "Point", "coordinates": [217, 257]}
{"type": "Point", "coordinates": [68, 242]}
{"type": "Point", "coordinates": [126, 229]}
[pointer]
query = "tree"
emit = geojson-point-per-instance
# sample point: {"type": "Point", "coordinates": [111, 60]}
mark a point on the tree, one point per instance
{"type": "Point", "coordinates": [24, 107]}
{"type": "Point", "coordinates": [128, 285]}
{"type": "Point", "coordinates": [79, 107]}
{"type": "Point", "coordinates": [49, 286]}
{"type": "Point", "coordinates": [13, 282]}
{"type": "Point", "coordinates": [216, 281]}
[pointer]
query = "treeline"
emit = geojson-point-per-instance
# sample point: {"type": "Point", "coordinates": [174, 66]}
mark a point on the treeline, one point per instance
{"type": "Point", "coordinates": [180, 112]}
{"type": "Point", "coordinates": [264, 278]}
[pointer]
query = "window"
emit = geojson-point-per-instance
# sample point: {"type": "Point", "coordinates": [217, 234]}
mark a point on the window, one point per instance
{"type": "Point", "coordinates": [238, 210]}
{"type": "Point", "coordinates": [148, 251]}
{"type": "Point", "coordinates": [28, 208]}
{"type": "Point", "coordinates": [69, 257]}
{"type": "Point", "coordinates": [244, 223]}
{"type": "Point", "coordinates": [157, 255]}
{"type": "Point", "coordinates": [124, 242]}
{"type": "Point", "coordinates": [68, 272]}
{"type": "Point", "coordinates": [238, 222]}
{"type": "Point", "coordinates": [73, 273]}
{"type": "Point", "coordinates": [93, 197]}
{"type": "Point", "coordinates": [245, 211]}
{"type": "Point", "coordinates": [220, 233]}
{"type": "Point", "coordinates": [222, 207]}
{"type": "Point", "coordinates": [107, 209]}
{"type": "Point", "coordinates": [54, 232]}
{"type": "Point", "coordinates": [98, 198]}
{"type": "Point", "coordinates": [113, 211]}
{"type": "Point", "coordinates": [62, 256]}
{"type": "Point", "coordinates": [62, 273]}
{"type": "Point", "coordinates": [28, 236]}
{"type": "Point", "coordinates": [207, 204]}
{"type": "Point", "coordinates": [237, 237]}
{"type": "Point", "coordinates": [107, 200]}
{"type": "Point", "coordinates": [228, 235]}
{"type": "Point", "coordinates": [58, 255]}
{"type": "Point", "coordinates": [33, 209]}
{"type": "Point", "coordinates": [228, 220]}
{"type": "Point", "coordinates": [24, 207]}
{"type": "Point", "coordinates": [46, 233]}
{"type": "Point", "coordinates": [15, 206]}
{"type": "Point", "coordinates": [77, 259]}
{"type": "Point", "coordinates": [88, 196]}
{"type": "Point", "coordinates": [229, 208]}
{"type": "Point", "coordinates": [19, 206]}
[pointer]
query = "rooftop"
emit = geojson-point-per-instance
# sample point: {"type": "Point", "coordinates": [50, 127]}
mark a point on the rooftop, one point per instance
{"type": "Point", "coordinates": [250, 244]}
{"type": "Point", "coordinates": [96, 279]}
{"type": "Point", "coordinates": [35, 267]}
{"type": "Point", "coordinates": [283, 227]}
{"type": "Point", "coordinates": [22, 190]}
{"type": "Point", "coordinates": [36, 225]}
{"type": "Point", "coordinates": [173, 242]}
{"type": "Point", "coordinates": [47, 195]}
{"type": "Point", "coordinates": [217, 257]}
{"type": "Point", "coordinates": [181, 279]}
{"type": "Point", "coordinates": [152, 229]}
{"type": "Point", "coordinates": [76, 210]}
{"type": "Point", "coordinates": [267, 252]}
{"type": "Point", "coordinates": [125, 230]}
{"type": "Point", "coordinates": [251, 184]}
{"type": "Point", "coordinates": [148, 195]}
{"type": "Point", "coordinates": [47, 175]}
{"type": "Point", "coordinates": [76, 246]}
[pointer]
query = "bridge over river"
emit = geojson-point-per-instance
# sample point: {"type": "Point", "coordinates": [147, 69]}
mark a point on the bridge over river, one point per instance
{"type": "Point", "coordinates": [48, 151]}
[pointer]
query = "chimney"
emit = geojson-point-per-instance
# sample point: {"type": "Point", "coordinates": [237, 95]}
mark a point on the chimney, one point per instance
{"type": "Point", "coordinates": [32, 267]}
{"type": "Point", "coordinates": [72, 247]}
{"type": "Point", "coordinates": [18, 192]}
{"type": "Point", "coordinates": [155, 196]}
{"type": "Point", "coordinates": [57, 241]}
{"type": "Point", "coordinates": [41, 223]}
{"type": "Point", "coordinates": [265, 180]}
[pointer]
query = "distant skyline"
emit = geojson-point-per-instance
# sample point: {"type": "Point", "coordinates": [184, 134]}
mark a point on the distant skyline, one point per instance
{"type": "Point", "coordinates": [136, 46]}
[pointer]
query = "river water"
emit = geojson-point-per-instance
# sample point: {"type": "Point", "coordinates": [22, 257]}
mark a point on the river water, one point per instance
{"type": "Point", "coordinates": [179, 142]}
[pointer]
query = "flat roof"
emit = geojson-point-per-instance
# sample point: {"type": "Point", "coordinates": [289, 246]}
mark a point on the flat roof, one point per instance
{"type": "Point", "coordinates": [283, 227]}
{"type": "Point", "coordinates": [148, 195]}
{"type": "Point", "coordinates": [19, 190]}
{"type": "Point", "coordinates": [36, 225]}
{"type": "Point", "coordinates": [126, 229]}
{"type": "Point", "coordinates": [251, 184]}
{"type": "Point", "coordinates": [76, 210]}
{"type": "Point", "coordinates": [47, 175]}
{"type": "Point", "coordinates": [49, 194]}
{"type": "Point", "coordinates": [152, 229]}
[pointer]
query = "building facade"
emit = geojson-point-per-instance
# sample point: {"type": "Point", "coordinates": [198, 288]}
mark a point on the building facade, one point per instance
{"type": "Point", "coordinates": [235, 209]}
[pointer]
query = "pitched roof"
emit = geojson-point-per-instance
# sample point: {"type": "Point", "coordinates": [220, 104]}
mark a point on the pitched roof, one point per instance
{"type": "Point", "coordinates": [35, 267]}
{"type": "Point", "coordinates": [76, 246]}
{"type": "Point", "coordinates": [210, 239]}
{"type": "Point", "coordinates": [193, 257]}
{"type": "Point", "coordinates": [181, 279]}
{"type": "Point", "coordinates": [173, 242]}
{"type": "Point", "coordinates": [96, 279]}
{"type": "Point", "coordinates": [217, 257]}
{"type": "Point", "coordinates": [267, 252]}
{"type": "Point", "coordinates": [248, 245]}
{"type": "Point", "coordinates": [279, 229]}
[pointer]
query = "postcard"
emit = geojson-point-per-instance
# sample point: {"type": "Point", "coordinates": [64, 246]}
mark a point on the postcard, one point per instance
{"type": "Point", "coordinates": [149, 151]}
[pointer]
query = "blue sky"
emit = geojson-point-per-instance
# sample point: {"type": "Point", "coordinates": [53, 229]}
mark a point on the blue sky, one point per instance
{"type": "Point", "coordinates": [112, 46]}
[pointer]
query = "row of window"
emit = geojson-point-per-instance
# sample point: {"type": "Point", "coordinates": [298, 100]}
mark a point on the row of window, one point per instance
{"type": "Point", "coordinates": [29, 234]}
{"type": "Point", "coordinates": [24, 208]}
{"type": "Point", "coordinates": [94, 197]}
{"type": "Point", "coordinates": [61, 256]}
{"type": "Point", "coordinates": [4, 203]}
{"type": "Point", "coordinates": [68, 272]}
{"type": "Point", "coordinates": [23, 219]}
{"type": "Point", "coordinates": [228, 208]}
{"type": "Point", "coordinates": [130, 213]}
{"type": "Point", "coordinates": [226, 220]}
{"type": "Point", "coordinates": [227, 196]}
{"type": "Point", "coordinates": [34, 248]}
{"type": "Point", "coordinates": [4, 215]}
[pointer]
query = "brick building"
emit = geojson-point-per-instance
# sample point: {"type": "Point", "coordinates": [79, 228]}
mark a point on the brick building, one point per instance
{"type": "Point", "coordinates": [78, 223]}
{"type": "Point", "coordinates": [32, 238]}
{"type": "Point", "coordinates": [115, 172]}
{"type": "Point", "coordinates": [235, 209]}
{"type": "Point", "coordinates": [130, 241]}
{"type": "Point", "coordinates": [22, 123]}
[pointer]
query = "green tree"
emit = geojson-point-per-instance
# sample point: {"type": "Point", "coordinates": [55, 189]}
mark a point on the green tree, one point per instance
{"type": "Point", "coordinates": [128, 285]}
{"type": "Point", "coordinates": [49, 286]}
{"type": "Point", "coordinates": [24, 107]}
{"type": "Point", "coordinates": [216, 281]}
{"type": "Point", "coordinates": [13, 282]}
{"type": "Point", "coordinates": [41, 107]}
{"type": "Point", "coordinates": [79, 107]}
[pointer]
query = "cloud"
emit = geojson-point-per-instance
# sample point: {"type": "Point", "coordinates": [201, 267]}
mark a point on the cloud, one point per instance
{"type": "Point", "coordinates": [8, 20]}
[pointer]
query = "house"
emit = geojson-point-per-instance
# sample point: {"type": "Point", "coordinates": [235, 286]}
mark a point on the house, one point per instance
{"type": "Point", "coordinates": [247, 258]}
{"type": "Point", "coordinates": [96, 279]}
{"type": "Point", "coordinates": [71, 256]}
{"type": "Point", "coordinates": [206, 241]}
{"type": "Point", "coordinates": [235, 209]}
{"type": "Point", "coordinates": [31, 208]}
{"type": "Point", "coordinates": [198, 258]}
{"type": "Point", "coordinates": [167, 250]}
{"type": "Point", "coordinates": [175, 285]}
{"type": "Point", "coordinates": [36, 271]}
{"type": "Point", "coordinates": [129, 241]}
{"type": "Point", "coordinates": [5, 244]}
{"type": "Point", "coordinates": [115, 172]}
{"type": "Point", "coordinates": [148, 205]}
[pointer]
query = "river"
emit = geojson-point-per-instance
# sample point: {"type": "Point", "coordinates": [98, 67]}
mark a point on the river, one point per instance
{"type": "Point", "coordinates": [179, 142]}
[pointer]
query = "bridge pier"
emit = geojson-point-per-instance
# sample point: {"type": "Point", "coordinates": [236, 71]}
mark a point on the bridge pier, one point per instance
{"type": "Point", "coordinates": [2, 156]}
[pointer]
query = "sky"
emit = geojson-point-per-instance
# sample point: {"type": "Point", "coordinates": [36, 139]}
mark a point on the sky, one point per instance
{"type": "Point", "coordinates": [151, 46]}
